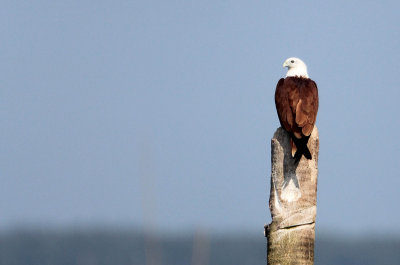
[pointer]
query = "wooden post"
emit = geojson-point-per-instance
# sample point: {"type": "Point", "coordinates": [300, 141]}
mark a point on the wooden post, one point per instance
{"type": "Point", "coordinates": [293, 202]}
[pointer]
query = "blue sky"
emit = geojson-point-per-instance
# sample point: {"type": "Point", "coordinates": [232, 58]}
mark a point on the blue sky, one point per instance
{"type": "Point", "coordinates": [161, 112]}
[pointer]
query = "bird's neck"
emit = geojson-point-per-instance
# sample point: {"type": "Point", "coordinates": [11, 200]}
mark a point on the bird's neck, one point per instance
{"type": "Point", "coordinates": [298, 71]}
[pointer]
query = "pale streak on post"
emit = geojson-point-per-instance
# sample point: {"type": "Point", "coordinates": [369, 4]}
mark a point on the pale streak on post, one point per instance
{"type": "Point", "coordinates": [292, 202]}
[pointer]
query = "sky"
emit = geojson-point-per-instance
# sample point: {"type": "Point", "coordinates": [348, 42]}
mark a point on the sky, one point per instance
{"type": "Point", "coordinates": [159, 114]}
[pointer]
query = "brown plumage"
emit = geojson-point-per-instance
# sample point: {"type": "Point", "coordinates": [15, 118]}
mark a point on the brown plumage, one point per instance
{"type": "Point", "coordinates": [296, 100]}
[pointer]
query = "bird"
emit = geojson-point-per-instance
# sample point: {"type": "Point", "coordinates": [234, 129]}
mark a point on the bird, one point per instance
{"type": "Point", "coordinates": [296, 101]}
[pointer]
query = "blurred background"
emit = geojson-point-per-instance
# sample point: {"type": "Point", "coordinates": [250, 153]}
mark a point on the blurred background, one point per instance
{"type": "Point", "coordinates": [138, 132]}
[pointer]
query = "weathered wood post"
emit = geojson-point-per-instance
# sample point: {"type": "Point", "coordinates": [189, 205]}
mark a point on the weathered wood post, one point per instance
{"type": "Point", "coordinates": [293, 202]}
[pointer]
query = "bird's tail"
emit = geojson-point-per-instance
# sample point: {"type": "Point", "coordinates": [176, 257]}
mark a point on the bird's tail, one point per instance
{"type": "Point", "coordinates": [299, 148]}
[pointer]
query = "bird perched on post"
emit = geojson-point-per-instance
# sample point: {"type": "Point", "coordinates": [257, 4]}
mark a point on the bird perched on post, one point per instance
{"type": "Point", "coordinates": [296, 100]}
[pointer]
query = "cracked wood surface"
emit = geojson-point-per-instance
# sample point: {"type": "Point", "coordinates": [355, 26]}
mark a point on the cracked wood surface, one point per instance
{"type": "Point", "coordinates": [293, 202]}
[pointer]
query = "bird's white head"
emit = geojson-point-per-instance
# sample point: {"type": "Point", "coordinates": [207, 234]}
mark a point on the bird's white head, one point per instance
{"type": "Point", "coordinates": [296, 67]}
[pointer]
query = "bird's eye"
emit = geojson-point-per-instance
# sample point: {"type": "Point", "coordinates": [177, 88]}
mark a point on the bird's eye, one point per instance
{"type": "Point", "coordinates": [292, 61]}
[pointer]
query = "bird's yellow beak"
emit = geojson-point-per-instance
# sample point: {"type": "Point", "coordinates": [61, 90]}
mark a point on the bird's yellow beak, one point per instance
{"type": "Point", "coordinates": [285, 64]}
